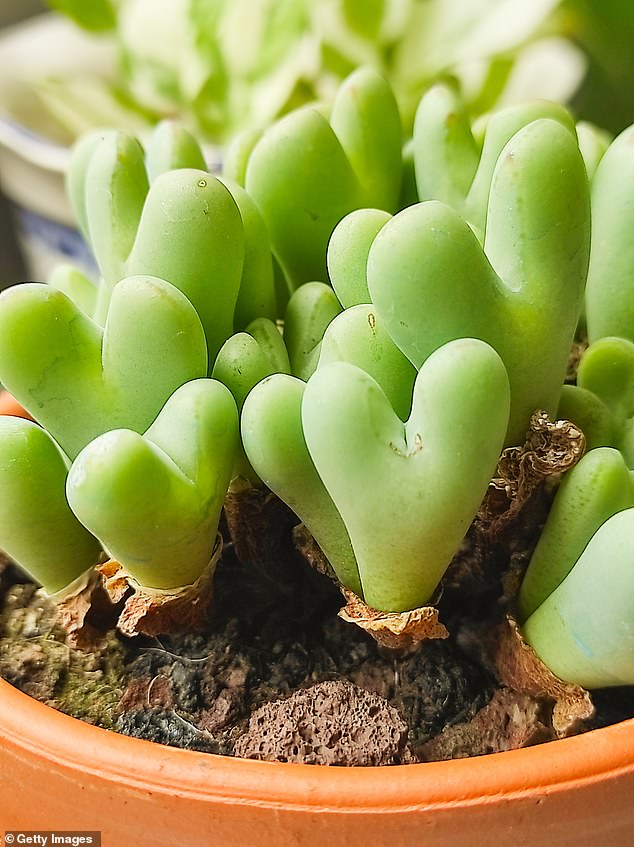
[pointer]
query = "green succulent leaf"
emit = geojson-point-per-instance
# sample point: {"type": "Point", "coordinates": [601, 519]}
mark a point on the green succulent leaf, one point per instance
{"type": "Point", "coordinates": [597, 488]}
{"type": "Point", "coordinates": [583, 630]}
{"type": "Point", "coordinates": [274, 442]}
{"type": "Point", "coordinates": [408, 492]}
{"type": "Point", "coordinates": [450, 166]}
{"type": "Point", "coordinates": [431, 281]}
{"type": "Point", "coordinates": [191, 234]}
{"type": "Point", "coordinates": [610, 287]}
{"type": "Point", "coordinates": [309, 312]}
{"type": "Point", "coordinates": [348, 251]}
{"type": "Point", "coordinates": [154, 500]}
{"type": "Point", "coordinates": [607, 370]}
{"type": "Point", "coordinates": [108, 185]}
{"type": "Point", "coordinates": [307, 173]}
{"type": "Point", "coordinates": [358, 336]}
{"type": "Point", "coordinates": [76, 286]}
{"type": "Point", "coordinates": [79, 380]}
{"type": "Point", "coordinates": [37, 528]}
{"type": "Point", "coordinates": [170, 148]}
{"type": "Point", "coordinates": [257, 295]}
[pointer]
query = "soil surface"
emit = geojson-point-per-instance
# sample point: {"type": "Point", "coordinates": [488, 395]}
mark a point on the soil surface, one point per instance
{"type": "Point", "coordinates": [275, 674]}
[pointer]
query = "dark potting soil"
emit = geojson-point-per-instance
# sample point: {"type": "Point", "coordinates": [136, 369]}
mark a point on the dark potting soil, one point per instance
{"type": "Point", "coordinates": [276, 675]}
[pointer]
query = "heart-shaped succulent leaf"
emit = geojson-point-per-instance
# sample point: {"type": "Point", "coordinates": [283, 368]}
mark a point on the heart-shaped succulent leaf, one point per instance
{"type": "Point", "coordinates": [597, 488]}
{"type": "Point", "coordinates": [187, 229]}
{"type": "Point", "coordinates": [307, 173]}
{"type": "Point", "coordinates": [610, 288]}
{"type": "Point", "coordinates": [273, 440]}
{"type": "Point", "coordinates": [309, 312]}
{"type": "Point", "coordinates": [191, 234]}
{"type": "Point", "coordinates": [154, 500]}
{"type": "Point", "coordinates": [171, 147]}
{"type": "Point", "coordinates": [431, 281]}
{"type": "Point", "coordinates": [583, 630]}
{"type": "Point", "coordinates": [37, 528]}
{"type": "Point", "coordinates": [358, 336]}
{"type": "Point", "coordinates": [79, 380]}
{"type": "Point", "coordinates": [366, 120]}
{"type": "Point", "coordinates": [607, 370]}
{"type": "Point", "coordinates": [408, 492]}
{"type": "Point", "coordinates": [348, 250]}
{"type": "Point", "coordinates": [448, 161]}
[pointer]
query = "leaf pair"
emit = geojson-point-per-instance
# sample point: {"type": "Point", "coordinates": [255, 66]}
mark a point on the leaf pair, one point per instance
{"type": "Point", "coordinates": [583, 630]}
{"type": "Point", "coordinates": [432, 281]}
{"type": "Point", "coordinates": [79, 380]}
{"type": "Point", "coordinates": [152, 500]}
{"type": "Point", "coordinates": [597, 488]}
{"type": "Point", "coordinates": [187, 227]}
{"type": "Point", "coordinates": [388, 503]}
{"type": "Point", "coordinates": [307, 171]}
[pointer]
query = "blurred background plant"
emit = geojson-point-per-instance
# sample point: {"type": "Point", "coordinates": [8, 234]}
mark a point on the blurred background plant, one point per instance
{"type": "Point", "coordinates": [224, 66]}
{"type": "Point", "coordinates": [227, 66]}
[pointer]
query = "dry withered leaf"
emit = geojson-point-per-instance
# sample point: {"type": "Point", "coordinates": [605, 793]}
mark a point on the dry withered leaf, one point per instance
{"type": "Point", "coordinates": [520, 668]}
{"type": "Point", "coordinates": [87, 613]}
{"type": "Point", "coordinates": [551, 448]}
{"type": "Point", "coordinates": [115, 583]}
{"type": "Point", "coordinates": [148, 612]}
{"type": "Point", "coordinates": [400, 632]}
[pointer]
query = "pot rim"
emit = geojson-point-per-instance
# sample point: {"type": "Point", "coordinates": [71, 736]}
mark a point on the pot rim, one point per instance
{"type": "Point", "coordinates": [34, 729]}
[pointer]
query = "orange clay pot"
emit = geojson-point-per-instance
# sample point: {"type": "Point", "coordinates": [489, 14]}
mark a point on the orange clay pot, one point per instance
{"type": "Point", "coordinates": [58, 773]}
{"type": "Point", "coordinates": [10, 406]}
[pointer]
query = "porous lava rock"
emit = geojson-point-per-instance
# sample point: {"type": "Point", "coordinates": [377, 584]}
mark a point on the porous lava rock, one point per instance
{"type": "Point", "coordinates": [331, 723]}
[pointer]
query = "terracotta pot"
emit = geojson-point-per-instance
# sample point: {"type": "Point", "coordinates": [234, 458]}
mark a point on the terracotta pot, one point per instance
{"type": "Point", "coordinates": [58, 773]}
{"type": "Point", "coordinates": [10, 406]}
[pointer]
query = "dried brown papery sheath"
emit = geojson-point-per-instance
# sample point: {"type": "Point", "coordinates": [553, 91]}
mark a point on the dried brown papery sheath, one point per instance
{"type": "Point", "coordinates": [551, 449]}
{"type": "Point", "coordinates": [520, 668]}
{"type": "Point", "coordinates": [149, 612]}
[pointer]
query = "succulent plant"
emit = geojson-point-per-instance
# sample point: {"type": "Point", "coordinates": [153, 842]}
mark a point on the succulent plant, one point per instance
{"type": "Point", "coordinates": [583, 630]}
{"type": "Point", "coordinates": [597, 488]}
{"type": "Point", "coordinates": [154, 500]}
{"type": "Point", "coordinates": [375, 359]}
{"type": "Point", "coordinates": [401, 494]}
{"type": "Point", "coordinates": [185, 227]}
{"type": "Point", "coordinates": [307, 171]}
{"type": "Point", "coordinates": [85, 380]}
{"type": "Point", "coordinates": [432, 280]}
